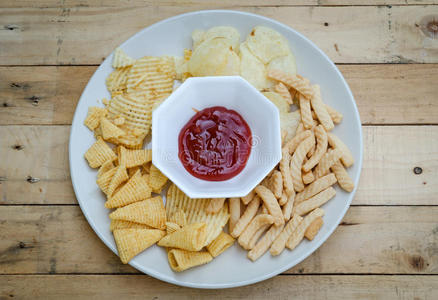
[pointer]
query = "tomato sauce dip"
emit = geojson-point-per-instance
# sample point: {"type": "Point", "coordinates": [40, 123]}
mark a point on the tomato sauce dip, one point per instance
{"type": "Point", "coordinates": [215, 144]}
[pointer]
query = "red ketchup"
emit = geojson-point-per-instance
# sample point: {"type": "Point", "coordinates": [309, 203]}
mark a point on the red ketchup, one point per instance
{"type": "Point", "coordinates": [215, 144]}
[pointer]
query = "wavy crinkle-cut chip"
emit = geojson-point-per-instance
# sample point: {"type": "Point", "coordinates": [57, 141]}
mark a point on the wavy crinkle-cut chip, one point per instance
{"type": "Point", "coordinates": [172, 227]}
{"type": "Point", "coordinates": [109, 130]}
{"type": "Point", "coordinates": [121, 59]}
{"type": "Point", "coordinates": [195, 210]}
{"type": "Point", "coordinates": [284, 63]}
{"type": "Point", "coordinates": [92, 121]}
{"type": "Point", "coordinates": [132, 241]}
{"type": "Point", "coordinates": [119, 121]}
{"type": "Point", "coordinates": [117, 80]}
{"type": "Point", "coordinates": [132, 158]}
{"type": "Point", "coordinates": [150, 212]}
{"type": "Point", "coordinates": [135, 189]}
{"type": "Point", "coordinates": [267, 44]}
{"type": "Point", "coordinates": [104, 180]}
{"type": "Point", "coordinates": [289, 123]}
{"type": "Point", "coordinates": [99, 153]}
{"type": "Point", "coordinates": [122, 224]}
{"type": "Point", "coordinates": [120, 176]}
{"type": "Point", "coordinates": [154, 75]}
{"type": "Point", "coordinates": [220, 244]}
{"type": "Point", "coordinates": [279, 101]}
{"type": "Point", "coordinates": [179, 218]}
{"type": "Point", "coordinates": [190, 237]}
{"type": "Point", "coordinates": [105, 167]}
{"type": "Point", "coordinates": [156, 179]}
{"type": "Point", "coordinates": [181, 260]}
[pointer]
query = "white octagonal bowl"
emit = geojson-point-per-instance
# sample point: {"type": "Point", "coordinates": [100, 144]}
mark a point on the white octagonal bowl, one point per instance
{"type": "Point", "coordinates": [232, 92]}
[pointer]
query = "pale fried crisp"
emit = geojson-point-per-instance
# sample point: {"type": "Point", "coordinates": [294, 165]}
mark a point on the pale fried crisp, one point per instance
{"type": "Point", "coordinates": [292, 145]}
{"type": "Point", "coordinates": [313, 229]}
{"type": "Point", "coordinates": [285, 172]}
{"type": "Point", "coordinates": [265, 242]}
{"type": "Point", "coordinates": [320, 109]}
{"type": "Point", "coordinates": [283, 199]}
{"type": "Point", "coordinates": [247, 216]}
{"type": "Point", "coordinates": [220, 244]}
{"type": "Point", "coordinates": [116, 81]}
{"type": "Point", "coordinates": [315, 201]}
{"type": "Point", "coordinates": [346, 158]}
{"type": "Point", "coordinates": [119, 121]}
{"type": "Point", "coordinates": [284, 92]}
{"type": "Point", "coordinates": [280, 241]}
{"type": "Point", "coordinates": [179, 217]}
{"type": "Point", "coordinates": [180, 260]}
{"type": "Point", "coordinates": [292, 81]}
{"type": "Point", "coordinates": [308, 177]}
{"type": "Point", "coordinates": [288, 207]}
{"type": "Point", "coordinates": [110, 132]}
{"type": "Point", "coordinates": [132, 241]}
{"type": "Point", "coordinates": [298, 234]}
{"type": "Point", "coordinates": [246, 199]}
{"type": "Point", "coordinates": [150, 212]}
{"type": "Point", "coordinates": [104, 180]}
{"type": "Point", "coordinates": [131, 158]}
{"type": "Point", "coordinates": [156, 179]}
{"type": "Point", "coordinates": [297, 162]}
{"type": "Point", "coordinates": [215, 205]}
{"type": "Point", "coordinates": [191, 237]}
{"type": "Point", "coordinates": [92, 121]}
{"type": "Point", "coordinates": [99, 153]}
{"type": "Point", "coordinates": [315, 187]}
{"type": "Point", "coordinates": [256, 236]}
{"type": "Point", "coordinates": [135, 189]}
{"type": "Point", "coordinates": [321, 148]}
{"type": "Point", "coordinates": [271, 204]}
{"type": "Point", "coordinates": [120, 176]}
{"type": "Point", "coordinates": [306, 115]}
{"type": "Point", "coordinates": [122, 224]}
{"type": "Point", "coordinates": [105, 167]}
{"type": "Point", "coordinates": [172, 227]}
{"type": "Point", "coordinates": [234, 213]}
{"type": "Point", "coordinates": [327, 160]}
{"type": "Point", "coordinates": [259, 221]}
{"type": "Point", "coordinates": [275, 184]}
{"type": "Point", "coordinates": [121, 59]}
{"type": "Point", "coordinates": [344, 180]}
{"type": "Point", "coordinates": [334, 114]}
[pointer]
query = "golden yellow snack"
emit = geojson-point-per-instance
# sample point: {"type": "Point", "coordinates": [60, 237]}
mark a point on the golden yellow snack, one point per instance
{"type": "Point", "coordinates": [195, 211]}
{"type": "Point", "coordinates": [321, 148]}
{"type": "Point", "coordinates": [327, 160]}
{"type": "Point", "coordinates": [300, 128]}
{"type": "Point", "coordinates": [256, 223]}
{"type": "Point", "coordinates": [285, 172]}
{"type": "Point", "coordinates": [132, 158]}
{"type": "Point", "coordinates": [150, 212]}
{"type": "Point", "coordinates": [280, 241]}
{"type": "Point", "coordinates": [92, 121]}
{"type": "Point", "coordinates": [297, 162]}
{"type": "Point", "coordinates": [247, 216]}
{"type": "Point", "coordinates": [119, 121]}
{"type": "Point", "coordinates": [105, 167]}
{"type": "Point", "coordinates": [344, 180]}
{"type": "Point", "coordinates": [104, 180]}
{"type": "Point", "coordinates": [116, 81]}
{"type": "Point", "coordinates": [279, 101]}
{"type": "Point", "coordinates": [220, 244]}
{"type": "Point", "coordinates": [313, 229]}
{"type": "Point", "coordinates": [190, 237]}
{"type": "Point", "coordinates": [156, 179]}
{"type": "Point", "coordinates": [288, 207]}
{"type": "Point", "coordinates": [132, 241]}
{"type": "Point", "coordinates": [334, 114]}
{"type": "Point", "coordinates": [306, 115]}
{"type": "Point", "coordinates": [265, 242]}
{"type": "Point", "coordinates": [246, 199]}
{"type": "Point", "coordinates": [289, 123]}
{"type": "Point", "coordinates": [283, 199]}
{"type": "Point", "coordinates": [135, 189]}
{"type": "Point", "coordinates": [308, 177]}
{"type": "Point", "coordinates": [275, 184]}
{"type": "Point", "coordinates": [179, 217]}
{"type": "Point", "coordinates": [347, 157]}
{"type": "Point", "coordinates": [252, 69]}
{"type": "Point", "coordinates": [181, 260]}
{"type": "Point", "coordinates": [122, 224]}
{"type": "Point", "coordinates": [315, 187]}
{"type": "Point", "coordinates": [172, 227]}
{"type": "Point", "coordinates": [234, 213]}
{"type": "Point", "coordinates": [292, 81]}
{"type": "Point", "coordinates": [284, 92]}
{"type": "Point", "coordinates": [120, 176]}
{"type": "Point", "coordinates": [271, 204]}
{"type": "Point", "coordinates": [99, 153]}
{"type": "Point", "coordinates": [121, 59]}
{"type": "Point", "coordinates": [298, 234]}
{"type": "Point", "coordinates": [320, 109]}
{"type": "Point", "coordinates": [215, 205]}
{"type": "Point", "coordinates": [315, 201]}
{"type": "Point", "coordinates": [267, 44]}
{"type": "Point", "coordinates": [110, 132]}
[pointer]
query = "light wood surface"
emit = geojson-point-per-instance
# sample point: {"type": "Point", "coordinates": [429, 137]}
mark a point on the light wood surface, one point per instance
{"type": "Point", "coordinates": [387, 244]}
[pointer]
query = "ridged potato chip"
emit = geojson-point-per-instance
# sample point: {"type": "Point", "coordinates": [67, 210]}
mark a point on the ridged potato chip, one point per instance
{"type": "Point", "coordinates": [253, 70]}
{"type": "Point", "coordinates": [99, 153]}
{"type": "Point", "coordinates": [150, 212]}
{"type": "Point", "coordinates": [195, 210]}
{"type": "Point", "coordinates": [122, 224]}
{"type": "Point", "coordinates": [190, 237]}
{"type": "Point", "coordinates": [214, 57]}
{"type": "Point", "coordinates": [220, 244]}
{"type": "Point", "coordinates": [92, 121]}
{"type": "Point", "coordinates": [117, 80]}
{"type": "Point", "coordinates": [267, 44]}
{"type": "Point", "coordinates": [172, 227]}
{"type": "Point", "coordinates": [121, 59]}
{"type": "Point", "coordinates": [179, 217]}
{"type": "Point", "coordinates": [105, 167]}
{"type": "Point", "coordinates": [156, 179]}
{"type": "Point", "coordinates": [135, 189]}
{"type": "Point", "coordinates": [132, 158]}
{"type": "Point", "coordinates": [132, 241]}
{"type": "Point", "coordinates": [180, 260]}
{"type": "Point", "coordinates": [120, 176]}
{"type": "Point", "coordinates": [109, 130]}
{"type": "Point", "coordinates": [104, 180]}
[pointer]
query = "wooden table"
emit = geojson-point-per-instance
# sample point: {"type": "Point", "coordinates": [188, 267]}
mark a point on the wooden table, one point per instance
{"type": "Point", "coordinates": [387, 245]}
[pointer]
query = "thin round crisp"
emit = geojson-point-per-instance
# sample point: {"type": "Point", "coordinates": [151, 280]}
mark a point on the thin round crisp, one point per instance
{"type": "Point", "coordinates": [171, 37]}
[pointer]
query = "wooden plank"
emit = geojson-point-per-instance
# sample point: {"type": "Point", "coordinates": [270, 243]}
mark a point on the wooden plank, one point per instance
{"type": "Point", "coordinates": [48, 95]}
{"type": "Point", "coordinates": [212, 3]}
{"type": "Point", "coordinates": [391, 153]}
{"type": "Point", "coordinates": [83, 35]}
{"type": "Point", "coordinates": [375, 240]}
{"type": "Point", "coordinates": [280, 287]}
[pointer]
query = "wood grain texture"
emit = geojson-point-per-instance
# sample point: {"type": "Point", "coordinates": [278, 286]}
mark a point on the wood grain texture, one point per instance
{"type": "Point", "coordinates": [385, 94]}
{"type": "Point", "coordinates": [378, 240]}
{"type": "Point", "coordinates": [280, 287]}
{"type": "Point", "coordinates": [85, 35]}
{"type": "Point", "coordinates": [390, 155]}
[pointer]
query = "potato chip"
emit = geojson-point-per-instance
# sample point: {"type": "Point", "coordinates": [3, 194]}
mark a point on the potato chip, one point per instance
{"type": "Point", "coordinates": [195, 211]}
{"type": "Point", "coordinates": [179, 217]}
{"type": "Point", "coordinates": [289, 122]}
{"type": "Point", "coordinates": [135, 189]}
{"type": "Point", "coordinates": [313, 229]}
{"type": "Point", "coordinates": [172, 227]}
{"type": "Point", "coordinates": [132, 158]}
{"type": "Point", "coordinates": [117, 80]}
{"type": "Point", "coordinates": [296, 162]}
{"type": "Point", "coordinates": [215, 205]}
{"type": "Point", "coordinates": [315, 187]}
{"type": "Point", "coordinates": [280, 241]}
{"type": "Point", "coordinates": [121, 224]}
{"type": "Point", "coordinates": [104, 180]}
{"type": "Point", "coordinates": [105, 167]}
{"type": "Point", "coordinates": [92, 121]}
{"type": "Point", "coordinates": [344, 180]}
{"type": "Point", "coordinates": [265, 242]}
{"type": "Point", "coordinates": [284, 63]}
{"type": "Point", "coordinates": [220, 244]}
{"type": "Point", "coordinates": [132, 241]}
{"type": "Point", "coordinates": [271, 204]}
{"type": "Point", "coordinates": [191, 237]}
{"type": "Point", "coordinates": [120, 176]}
{"type": "Point", "coordinates": [255, 224]}
{"type": "Point", "coordinates": [279, 101]}
{"type": "Point", "coordinates": [347, 157]}
{"type": "Point", "coordinates": [252, 69]}
{"type": "Point", "coordinates": [315, 201]}
{"type": "Point", "coordinates": [248, 215]}
{"type": "Point", "coordinates": [298, 233]}
{"type": "Point", "coordinates": [119, 121]}
{"type": "Point", "coordinates": [99, 153]}
{"type": "Point", "coordinates": [214, 57]}
{"type": "Point", "coordinates": [150, 212]}
{"type": "Point", "coordinates": [321, 148]}
{"type": "Point", "coordinates": [180, 260]}
{"type": "Point", "coordinates": [156, 179]}
{"type": "Point", "coordinates": [197, 37]}
{"type": "Point", "coordinates": [109, 130]}
{"type": "Point", "coordinates": [267, 44]}
{"type": "Point", "coordinates": [121, 59]}
{"type": "Point", "coordinates": [227, 32]}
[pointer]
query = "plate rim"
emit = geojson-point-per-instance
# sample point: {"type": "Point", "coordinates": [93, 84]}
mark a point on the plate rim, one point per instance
{"type": "Point", "coordinates": [292, 263]}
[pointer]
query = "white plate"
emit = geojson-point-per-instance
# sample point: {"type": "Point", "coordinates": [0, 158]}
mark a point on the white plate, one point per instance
{"type": "Point", "coordinates": [170, 37]}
